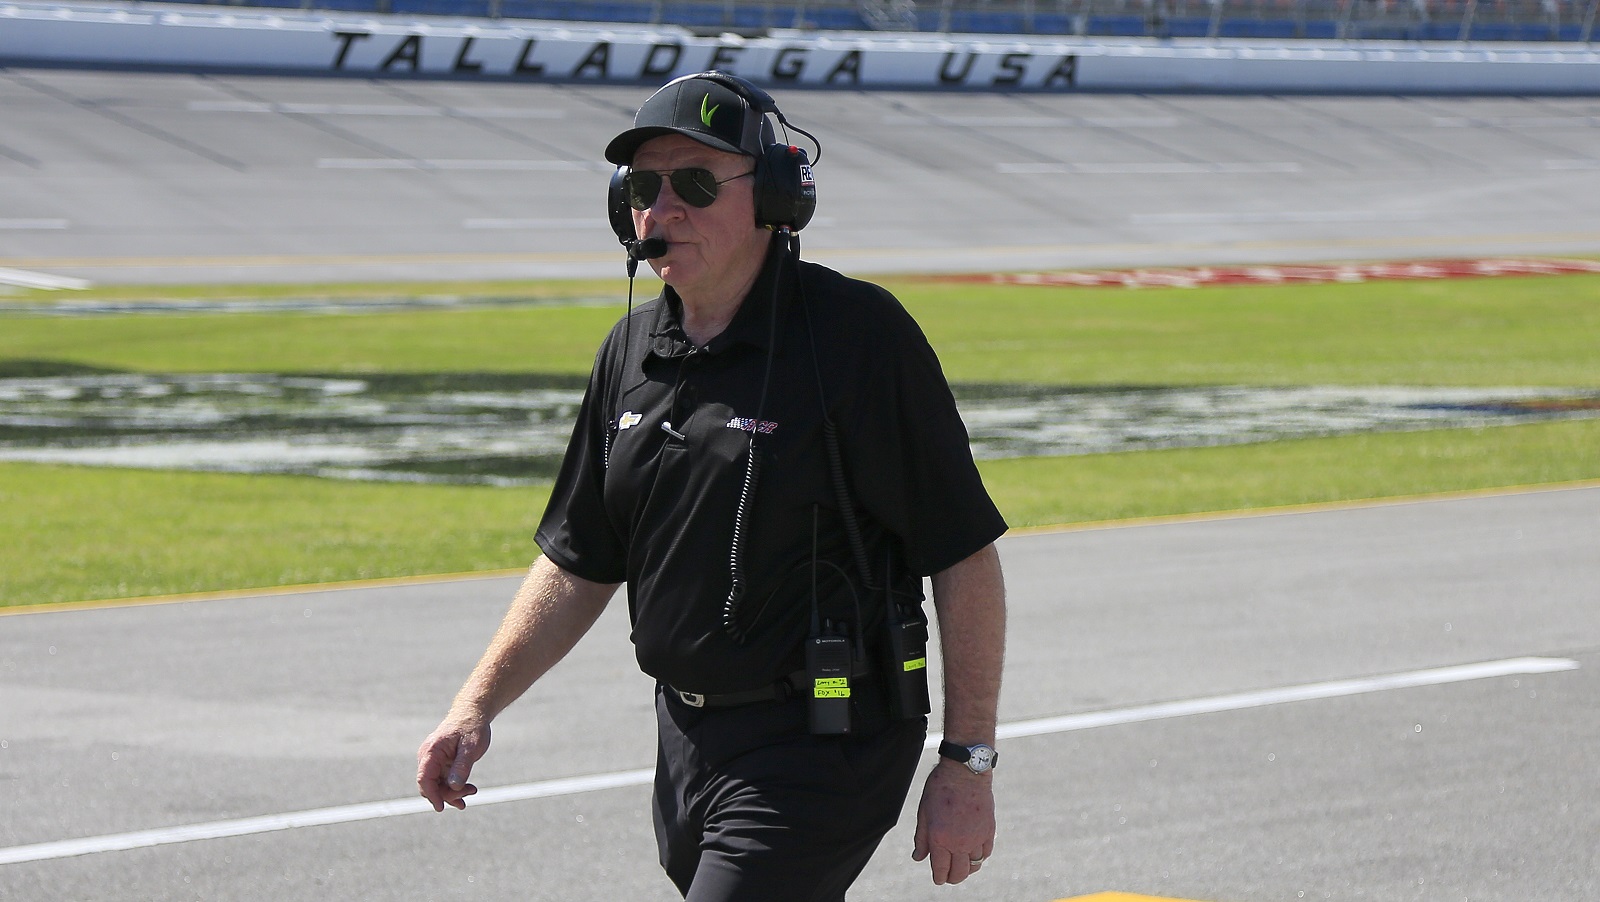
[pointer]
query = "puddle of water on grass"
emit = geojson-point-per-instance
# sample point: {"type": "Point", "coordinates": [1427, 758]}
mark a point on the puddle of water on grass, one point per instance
{"type": "Point", "coordinates": [1016, 421]}
{"type": "Point", "coordinates": [434, 428]}
{"type": "Point", "coordinates": [512, 430]}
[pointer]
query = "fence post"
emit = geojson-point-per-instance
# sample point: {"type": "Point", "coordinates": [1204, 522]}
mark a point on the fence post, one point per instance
{"type": "Point", "coordinates": [1466, 20]}
{"type": "Point", "coordinates": [1344, 19]}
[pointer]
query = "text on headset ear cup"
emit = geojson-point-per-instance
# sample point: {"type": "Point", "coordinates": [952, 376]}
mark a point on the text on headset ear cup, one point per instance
{"type": "Point", "coordinates": [617, 207]}
{"type": "Point", "coordinates": [786, 191]}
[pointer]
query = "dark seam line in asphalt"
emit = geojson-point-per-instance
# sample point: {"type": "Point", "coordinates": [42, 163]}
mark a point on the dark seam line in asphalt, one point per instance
{"type": "Point", "coordinates": [137, 125]}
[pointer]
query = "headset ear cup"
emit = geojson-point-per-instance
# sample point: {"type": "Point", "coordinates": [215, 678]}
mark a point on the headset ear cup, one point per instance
{"type": "Point", "coordinates": [617, 207]}
{"type": "Point", "coordinates": [786, 192]}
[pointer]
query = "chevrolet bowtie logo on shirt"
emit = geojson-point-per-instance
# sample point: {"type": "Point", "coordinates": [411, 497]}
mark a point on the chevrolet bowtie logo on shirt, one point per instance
{"type": "Point", "coordinates": [628, 420]}
{"type": "Point", "coordinates": [747, 424]}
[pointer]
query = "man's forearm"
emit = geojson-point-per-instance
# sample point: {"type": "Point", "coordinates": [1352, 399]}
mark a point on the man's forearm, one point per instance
{"type": "Point", "coordinates": [552, 610]}
{"type": "Point", "coordinates": [970, 600]}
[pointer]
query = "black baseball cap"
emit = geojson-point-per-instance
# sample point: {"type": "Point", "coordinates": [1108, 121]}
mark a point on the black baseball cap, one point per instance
{"type": "Point", "coordinates": [704, 107]}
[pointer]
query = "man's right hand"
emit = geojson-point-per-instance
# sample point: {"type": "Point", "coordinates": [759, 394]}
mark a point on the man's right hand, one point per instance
{"type": "Point", "coordinates": [444, 762]}
{"type": "Point", "coordinates": [552, 611]}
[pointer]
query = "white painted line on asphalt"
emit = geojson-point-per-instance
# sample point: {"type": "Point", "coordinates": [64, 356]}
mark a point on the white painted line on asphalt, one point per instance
{"type": "Point", "coordinates": [486, 224]}
{"type": "Point", "coordinates": [461, 165]}
{"type": "Point", "coordinates": [318, 817]}
{"type": "Point", "coordinates": [24, 279]}
{"type": "Point", "coordinates": [563, 224]}
{"type": "Point", "coordinates": [311, 109]}
{"type": "Point", "coordinates": [1307, 692]}
{"type": "Point", "coordinates": [369, 109]}
{"type": "Point", "coordinates": [1275, 216]}
{"type": "Point", "coordinates": [1143, 168]}
{"type": "Point", "coordinates": [343, 814]}
{"type": "Point", "coordinates": [1516, 121]}
{"type": "Point", "coordinates": [987, 122]}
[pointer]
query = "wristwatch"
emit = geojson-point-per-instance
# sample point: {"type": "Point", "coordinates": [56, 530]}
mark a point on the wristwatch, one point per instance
{"type": "Point", "coordinates": [978, 758]}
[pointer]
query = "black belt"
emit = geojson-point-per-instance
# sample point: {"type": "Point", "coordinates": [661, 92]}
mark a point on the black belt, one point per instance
{"type": "Point", "coordinates": [790, 687]}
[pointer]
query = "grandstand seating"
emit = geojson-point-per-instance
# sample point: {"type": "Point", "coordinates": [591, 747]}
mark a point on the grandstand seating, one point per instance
{"type": "Point", "coordinates": [1409, 20]}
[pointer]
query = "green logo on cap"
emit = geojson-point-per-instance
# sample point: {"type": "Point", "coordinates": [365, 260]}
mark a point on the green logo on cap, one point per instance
{"type": "Point", "coordinates": [705, 114]}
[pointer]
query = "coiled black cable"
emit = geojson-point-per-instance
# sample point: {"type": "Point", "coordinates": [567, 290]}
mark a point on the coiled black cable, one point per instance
{"type": "Point", "coordinates": [789, 242]}
{"type": "Point", "coordinates": [627, 341]}
{"type": "Point", "coordinates": [730, 608]}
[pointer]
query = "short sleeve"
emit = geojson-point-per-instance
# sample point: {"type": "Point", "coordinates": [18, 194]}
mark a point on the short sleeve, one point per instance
{"type": "Point", "coordinates": [576, 532]}
{"type": "Point", "coordinates": [909, 457]}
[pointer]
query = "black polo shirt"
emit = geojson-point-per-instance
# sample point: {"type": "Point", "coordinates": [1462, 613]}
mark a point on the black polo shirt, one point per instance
{"type": "Point", "coordinates": [637, 504]}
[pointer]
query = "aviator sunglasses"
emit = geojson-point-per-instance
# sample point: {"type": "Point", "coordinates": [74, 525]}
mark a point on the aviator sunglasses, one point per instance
{"type": "Point", "coordinates": [697, 187]}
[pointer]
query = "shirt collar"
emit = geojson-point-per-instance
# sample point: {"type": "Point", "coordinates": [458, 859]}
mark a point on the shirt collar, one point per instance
{"type": "Point", "coordinates": [749, 326]}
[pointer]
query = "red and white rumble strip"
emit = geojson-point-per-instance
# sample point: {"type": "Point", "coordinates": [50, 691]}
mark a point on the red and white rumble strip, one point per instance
{"type": "Point", "coordinates": [1194, 277]}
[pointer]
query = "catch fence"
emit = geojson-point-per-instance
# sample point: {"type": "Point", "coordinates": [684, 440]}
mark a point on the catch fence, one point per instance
{"type": "Point", "coordinates": [1404, 20]}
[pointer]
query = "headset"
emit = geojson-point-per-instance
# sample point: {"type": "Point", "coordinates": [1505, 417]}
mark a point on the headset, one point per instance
{"type": "Point", "coordinates": [785, 188]}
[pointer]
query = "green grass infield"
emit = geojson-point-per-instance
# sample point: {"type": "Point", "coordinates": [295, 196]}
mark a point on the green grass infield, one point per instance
{"type": "Point", "coordinates": [1536, 330]}
{"type": "Point", "coordinates": [79, 533]}
{"type": "Point", "coordinates": [73, 534]}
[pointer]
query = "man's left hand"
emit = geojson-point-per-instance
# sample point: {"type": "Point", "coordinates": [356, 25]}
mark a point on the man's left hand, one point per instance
{"type": "Point", "coordinates": [955, 822]}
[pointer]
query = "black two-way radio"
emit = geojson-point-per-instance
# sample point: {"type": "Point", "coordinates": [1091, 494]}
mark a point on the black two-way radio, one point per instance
{"type": "Point", "coordinates": [905, 653]}
{"type": "Point", "coordinates": [829, 659]}
{"type": "Point", "coordinates": [828, 681]}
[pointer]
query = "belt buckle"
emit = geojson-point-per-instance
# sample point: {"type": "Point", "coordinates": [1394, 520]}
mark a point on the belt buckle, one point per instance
{"type": "Point", "coordinates": [692, 699]}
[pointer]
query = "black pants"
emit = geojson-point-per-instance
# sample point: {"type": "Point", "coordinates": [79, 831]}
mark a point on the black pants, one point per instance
{"type": "Point", "coordinates": [749, 807]}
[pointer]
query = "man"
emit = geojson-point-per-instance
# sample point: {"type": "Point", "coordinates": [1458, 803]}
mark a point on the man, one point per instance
{"type": "Point", "coordinates": [769, 456]}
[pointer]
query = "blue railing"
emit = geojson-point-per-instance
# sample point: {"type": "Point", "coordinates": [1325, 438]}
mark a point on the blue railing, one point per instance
{"type": "Point", "coordinates": [1407, 20]}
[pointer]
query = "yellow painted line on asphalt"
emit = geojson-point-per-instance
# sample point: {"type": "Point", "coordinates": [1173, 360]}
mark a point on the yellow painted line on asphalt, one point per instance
{"type": "Point", "coordinates": [1121, 897]}
{"type": "Point", "coordinates": [1309, 508]}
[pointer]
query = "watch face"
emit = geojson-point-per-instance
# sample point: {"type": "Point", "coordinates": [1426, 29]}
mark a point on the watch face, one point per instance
{"type": "Point", "coordinates": [983, 758]}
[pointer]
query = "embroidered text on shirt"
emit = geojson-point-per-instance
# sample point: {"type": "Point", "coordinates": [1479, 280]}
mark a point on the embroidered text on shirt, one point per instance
{"type": "Point", "coordinates": [749, 424]}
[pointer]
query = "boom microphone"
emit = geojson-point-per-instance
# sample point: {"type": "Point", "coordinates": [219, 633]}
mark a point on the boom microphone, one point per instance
{"type": "Point", "coordinates": [647, 248]}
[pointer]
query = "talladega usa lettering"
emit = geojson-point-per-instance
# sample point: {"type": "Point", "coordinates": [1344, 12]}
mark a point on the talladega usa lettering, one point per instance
{"type": "Point", "coordinates": [363, 51]}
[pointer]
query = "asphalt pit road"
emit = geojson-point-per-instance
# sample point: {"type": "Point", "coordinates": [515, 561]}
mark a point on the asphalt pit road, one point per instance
{"type": "Point", "coordinates": [498, 429]}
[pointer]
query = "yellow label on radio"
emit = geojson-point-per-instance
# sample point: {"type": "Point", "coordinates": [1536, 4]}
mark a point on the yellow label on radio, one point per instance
{"type": "Point", "coordinates": [916, 664]}
{"type": "Point", "coordinates": [831, 687]}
